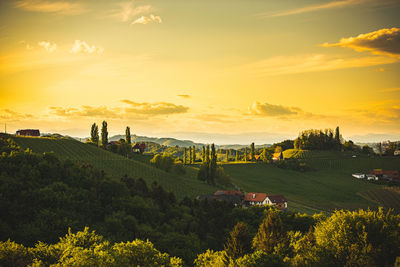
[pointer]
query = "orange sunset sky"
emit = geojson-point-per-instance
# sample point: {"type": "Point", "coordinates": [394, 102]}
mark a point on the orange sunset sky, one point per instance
{"type": "Point", "coordinates": [224, 71]}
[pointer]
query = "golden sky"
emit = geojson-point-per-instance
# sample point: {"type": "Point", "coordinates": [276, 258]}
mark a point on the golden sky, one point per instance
{"type": "Point", "coordinates": [225, 71]}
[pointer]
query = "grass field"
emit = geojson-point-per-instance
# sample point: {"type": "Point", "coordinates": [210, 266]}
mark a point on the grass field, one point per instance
{"type": "Point", "coordinates": [388, 197]}
{"type": "Point", "coordinates": [117, 166]}
{"type": "Point", "coordinates": [327, 187]}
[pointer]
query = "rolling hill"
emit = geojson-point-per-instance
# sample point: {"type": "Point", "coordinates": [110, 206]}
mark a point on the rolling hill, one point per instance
{"type": "Point", "coordinates": [117, 166]}
{"type": "Point", "coordinates": [327, 187]}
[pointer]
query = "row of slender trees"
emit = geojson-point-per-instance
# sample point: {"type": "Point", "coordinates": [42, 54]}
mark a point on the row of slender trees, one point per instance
{"type": "Point", "coordinates": [94, 134]}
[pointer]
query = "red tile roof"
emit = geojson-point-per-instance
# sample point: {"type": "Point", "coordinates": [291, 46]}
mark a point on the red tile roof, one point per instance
{"type": "Point", "coordinates": [277, 199]}
{"type": "Point", "coordinates": [257, 197]}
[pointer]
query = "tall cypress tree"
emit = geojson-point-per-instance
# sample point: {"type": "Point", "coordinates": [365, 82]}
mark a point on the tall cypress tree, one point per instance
{"type": "Point", "coordinates": [207, 164]}
{"type": "Point", "coordinates": [190, 155]}
{"type": "Point", "coordinates": [227, 155]}
{"type": "Point", "coordinates": [245, 154]}
{"type": "Point", "coordinates": [128, 135]}
{"type": "Point", "coordinates": [237, 155]}
{"type": "Point", "coordinates": [184, 155]}
{"type": "Point", "coordinates": [194, 154]}
{"type": "Point", "coordinates": [94, 134]}
{"type": "Point", "coordinates": [213, 164]}
{"type": "Point", "coordinates": [252, 153]}
{"type": "Point", "coordinates": [337, 139]}
{"type": "Point", "coordinates": [104, 135]}
{"type": "Point", "coordinates": [204, 155]}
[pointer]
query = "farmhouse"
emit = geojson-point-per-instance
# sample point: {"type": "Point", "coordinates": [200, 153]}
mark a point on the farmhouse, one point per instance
{"type": "Point", "coordinates": [358, 175]}
{"type": "Point", "coordinates": [28, 132]}
{"type": "Point", "coordinates": [255, 199]}
{"type": "Point", "coordinates": [139, 147]}
{"type": "Point", "coordinates": [278, 200]}
{"type": "Point", "coordinates": [277, 156]}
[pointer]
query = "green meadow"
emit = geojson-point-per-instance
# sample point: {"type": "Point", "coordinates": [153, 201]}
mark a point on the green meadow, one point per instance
{"type": "Point", "coordinates": [328, 186]}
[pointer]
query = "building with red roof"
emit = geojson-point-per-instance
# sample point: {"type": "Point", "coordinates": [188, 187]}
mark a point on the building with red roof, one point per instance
{"type": "Point", "coordinates": [255, 199]}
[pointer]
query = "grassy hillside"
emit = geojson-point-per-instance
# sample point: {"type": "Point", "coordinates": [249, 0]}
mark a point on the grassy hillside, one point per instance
{"type": "Point", "coordinates": [116, 166]}
{"type": "Point", "coordinates": [327, 187]}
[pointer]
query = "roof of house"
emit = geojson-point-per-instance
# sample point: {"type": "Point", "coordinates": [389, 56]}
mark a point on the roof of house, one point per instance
{"type": "Point", "coordinates": [139, 145]}
{"type": "Point", "coordinates": [228, 193]}
{"type": "Point", "coordinates": [257, 197]}
{"type": "Point", "coordinates": [277, 199]}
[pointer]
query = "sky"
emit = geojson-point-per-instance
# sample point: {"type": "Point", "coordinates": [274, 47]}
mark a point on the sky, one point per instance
{"type": "Point", "coordinates": [223, 71]}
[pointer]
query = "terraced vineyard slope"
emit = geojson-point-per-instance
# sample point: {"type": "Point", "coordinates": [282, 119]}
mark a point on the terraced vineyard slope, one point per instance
{"type": "Point", "coordinates": [117, 166]}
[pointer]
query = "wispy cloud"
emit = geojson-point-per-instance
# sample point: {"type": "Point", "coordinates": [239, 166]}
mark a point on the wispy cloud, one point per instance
{"type": "Point", "coordinates": [133, 110]}
{"type": "Point", "coordinates": [86, 111]}
{"type": "Point", "coordinates": [312, 8]}
{"type": "Point", "coordinates": [147, 19]}
{"type": "Point", "coordinates": [184, 96]}
{"type": "Point", "coordinates": [46, 6]}
{"type": "Point", "coordinates": [50, 47]}
{"type": "Point", "coordinates": [271, 110]}
{"type": "Point", "coordinates": [389, 90]}
{"type": "Point", "coordinates": [10, 115]}
{"type": "Point", "coordinates": [127, 10]}
{"type": "Point", "coordinates": [158, 108]}
{"type": "Point", "coordinates": [282, 65]}
{"type": "Point", "coordinates": [380, 42]}
{"type": "Point", "coordinates": [82, 47]}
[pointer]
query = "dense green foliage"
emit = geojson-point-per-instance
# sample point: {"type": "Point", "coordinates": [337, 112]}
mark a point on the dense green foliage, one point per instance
{"type": "Point", "coordinates": [318, 140]}
{"type": "Point", "coordinates": [360, 238]}
{"type": "Point", "coordinates": [85, 248]}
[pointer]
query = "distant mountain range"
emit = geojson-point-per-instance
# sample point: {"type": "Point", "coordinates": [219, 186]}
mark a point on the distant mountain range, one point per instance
{"type": "Point", "coordinates": [168, 141]}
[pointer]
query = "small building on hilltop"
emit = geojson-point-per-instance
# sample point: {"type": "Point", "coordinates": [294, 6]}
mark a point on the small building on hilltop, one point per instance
{"type": "Point", "coordinates": [277, 200]}
{"type": "Point", "coordinates": [138, 147]}
{"type": "Point", "coordinates": [277, 156]}
{"type": "Point", "coordinates": [28, 132]}
{"type": "Point", "coordinates": [255, 199]}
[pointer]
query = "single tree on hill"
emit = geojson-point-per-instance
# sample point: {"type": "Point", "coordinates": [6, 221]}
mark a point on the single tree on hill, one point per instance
{"type": "Point", "coordinates": [239, 241]}
{"type": "Point", "coordinates": [252, 151]}
{"type": "Point", "coordinates": [190, 155]}
{"type": "Point", "coordinates": [128, 134]}
{"type": "Point", "coordinates": [213, 164]}
{"type": "Point", "coordinates": [94, 134]}
{"type": "Point", "coordinates": [104, 134]}
{"type": "Point", "coordinates": [337, 139]}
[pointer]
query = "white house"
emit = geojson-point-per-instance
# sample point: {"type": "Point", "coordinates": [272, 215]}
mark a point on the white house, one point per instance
{"type": "Point", "coordinates": [358, 175]}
